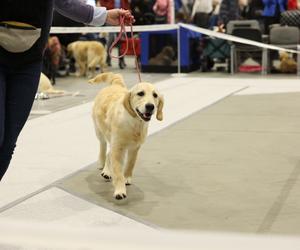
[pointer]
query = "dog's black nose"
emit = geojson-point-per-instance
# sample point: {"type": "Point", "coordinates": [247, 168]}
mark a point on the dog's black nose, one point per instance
{"type": "Point", "coordinates": [149, 107]}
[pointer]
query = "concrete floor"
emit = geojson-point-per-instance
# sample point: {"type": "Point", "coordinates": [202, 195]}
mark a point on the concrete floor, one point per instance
{"type": "Point", "coordinates": [224, 160]}
{"type": "Point", "coordinates": [236, 168]}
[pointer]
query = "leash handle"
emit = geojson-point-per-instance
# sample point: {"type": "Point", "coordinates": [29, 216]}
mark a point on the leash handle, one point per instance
{"type": "Point", "coordinates": [116, 41]}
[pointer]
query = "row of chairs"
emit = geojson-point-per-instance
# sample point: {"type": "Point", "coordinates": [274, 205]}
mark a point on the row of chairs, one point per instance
{"type": "Point", "coordinates": [283, 36]}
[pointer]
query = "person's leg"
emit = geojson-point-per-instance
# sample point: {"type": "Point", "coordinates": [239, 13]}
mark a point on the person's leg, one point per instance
{"type": "Point", "coordinates": [21, 87]}
{"type": "Point", "coordinates": [111, 38]}
{"type": "Point", "coordinates": [122, 63]}
{"type": "Point", "coordinates": [2, 102]}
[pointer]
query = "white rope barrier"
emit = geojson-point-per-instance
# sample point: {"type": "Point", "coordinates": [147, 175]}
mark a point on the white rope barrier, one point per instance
{"type": "Point", "coordinates": [236, 39]}
{"type": "Point", "coordinates": [112, 29]}
{"type": "Point", "coordinates": [166, 27]}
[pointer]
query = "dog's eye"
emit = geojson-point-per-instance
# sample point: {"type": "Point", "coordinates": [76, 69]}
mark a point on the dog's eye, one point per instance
{"type": "Point", "coordinates": [155, 95]}
{"type": "Point", "coordinates": [142, 93]}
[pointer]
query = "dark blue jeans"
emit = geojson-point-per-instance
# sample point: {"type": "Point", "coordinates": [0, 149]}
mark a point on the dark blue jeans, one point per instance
{"type": "Point", "coordinates": [18, 86]}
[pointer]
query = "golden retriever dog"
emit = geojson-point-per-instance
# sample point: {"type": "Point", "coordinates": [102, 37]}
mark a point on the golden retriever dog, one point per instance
{"type": "Point", "coordinates": [88, 55]}
{"type": "Point", "coordinates": [164, 58]}
{"type": "Point", "coordinates": [287, 63]}
{"type": "Point", "coordinates": [121, 119]}
{"type": "Point", "coordinates": [45, 86]}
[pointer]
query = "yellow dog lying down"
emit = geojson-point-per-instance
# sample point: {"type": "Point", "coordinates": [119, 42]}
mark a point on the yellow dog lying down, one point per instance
{"type": "Point", "coordinates": [121, 119]}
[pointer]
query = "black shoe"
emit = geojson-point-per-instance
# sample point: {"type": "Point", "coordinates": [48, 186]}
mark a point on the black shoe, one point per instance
{"type": "Point", "coordinates": [122, 64]}
{"type": "Point", "coordinates": [108, 61]}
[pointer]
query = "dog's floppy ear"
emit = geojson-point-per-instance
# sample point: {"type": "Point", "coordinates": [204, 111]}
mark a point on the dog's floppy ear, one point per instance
{"type": "Point", "coordinates": [159, 113]}
{"type": "Point", "coordinates": [127, 104]}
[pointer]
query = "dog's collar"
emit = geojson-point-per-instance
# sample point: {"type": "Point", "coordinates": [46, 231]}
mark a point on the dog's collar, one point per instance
{"type": "Point", "coordinates": [128, 107]}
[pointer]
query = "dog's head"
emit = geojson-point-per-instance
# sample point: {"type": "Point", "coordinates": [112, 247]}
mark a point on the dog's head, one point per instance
{"type": "Point", "coordinates": [168, 51]}
{"type": "Point", "coordinates": [144, 100]}
{"type": "Point", "coordinates": [283, 56]}
{"type": "Point", "coordinates": [71, 48]}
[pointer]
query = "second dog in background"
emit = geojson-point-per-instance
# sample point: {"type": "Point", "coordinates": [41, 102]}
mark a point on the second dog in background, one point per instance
{"type": "Point", "coordinates": [88, 56]}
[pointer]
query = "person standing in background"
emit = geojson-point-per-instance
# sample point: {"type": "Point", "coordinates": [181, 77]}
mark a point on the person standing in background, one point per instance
{"type": "Point", "coordinates": [201, 12]}
{"type": "Point", "coordinates": [162, 10]}
{"type": "Point", "coordinates": [272, 11]}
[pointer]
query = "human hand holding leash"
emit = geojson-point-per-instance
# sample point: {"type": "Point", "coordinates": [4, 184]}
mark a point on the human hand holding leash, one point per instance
{"type": "Point", "coordinates": [113, 17]}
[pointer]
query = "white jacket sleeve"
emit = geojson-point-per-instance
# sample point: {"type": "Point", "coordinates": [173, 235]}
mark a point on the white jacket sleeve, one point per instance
{"type": "Point", "coordinates": [99, 18]}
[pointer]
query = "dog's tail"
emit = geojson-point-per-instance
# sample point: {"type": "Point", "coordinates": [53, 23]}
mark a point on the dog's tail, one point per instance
{"type": "Point", "coordinates": [108, 77]}
{"type": "Point", "coordinates": [55, 91]}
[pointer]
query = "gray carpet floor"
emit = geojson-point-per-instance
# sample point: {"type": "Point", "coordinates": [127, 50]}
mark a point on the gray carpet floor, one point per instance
{"type": "Point", "coordinates": [232, 167]}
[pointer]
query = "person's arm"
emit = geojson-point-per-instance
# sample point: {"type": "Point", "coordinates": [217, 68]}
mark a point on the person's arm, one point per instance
{"type": "Point", "coordinates": [76, 10]}
{"type": "Point", "coordinates": [95, 16]}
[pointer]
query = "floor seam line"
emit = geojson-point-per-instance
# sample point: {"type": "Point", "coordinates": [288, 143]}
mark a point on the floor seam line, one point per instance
{"type": "Point", "coordinates": [280, 200]}
{"type": "Point", "coordinates": [43, 189]}
{"type": "Point", "coordinates": [24, 198]}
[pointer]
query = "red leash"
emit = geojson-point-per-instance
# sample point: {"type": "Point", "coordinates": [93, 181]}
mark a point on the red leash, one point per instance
{"type": "Point", "coordinates": [123, 31]}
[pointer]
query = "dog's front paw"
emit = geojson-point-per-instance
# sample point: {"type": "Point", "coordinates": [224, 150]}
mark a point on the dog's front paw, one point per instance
{"type": "Point", "coordinates": [120, 194]}
{"type": "Point", "coordinates": [106, 174]}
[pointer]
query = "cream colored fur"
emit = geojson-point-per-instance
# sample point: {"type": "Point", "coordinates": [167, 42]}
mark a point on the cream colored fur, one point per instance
{"type": "Point", "coordinates": [287, 63]}
{"type": "Point", "coordinates": [119, 117]}
{"type": "Point", "coordinates": [88, 55]}
{"type": "Point", "coordinates": [45, 86]}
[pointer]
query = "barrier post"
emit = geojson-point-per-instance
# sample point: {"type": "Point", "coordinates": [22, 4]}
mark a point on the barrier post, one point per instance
{"type": "Point", "coordinates": [178, 51]}
{"type": "Point", "coordinates": [298, 60]}
{"type": "Point", "coordinates": [178, 74]}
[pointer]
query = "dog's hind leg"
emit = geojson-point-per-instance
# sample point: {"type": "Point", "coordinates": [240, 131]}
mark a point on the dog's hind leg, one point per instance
{"type": "Point", "coordinates": [82, 68]}
{"type": "Point", "coordinates": [92, 66]}
{"type": "Point", "coordinates": [131, 159]}
{"type": "Point", "coordinates": [103, 149]}
{"type": "Point", "coordinates": [103, 64]}
{"type": "Point", "coordinates": [106, 172]}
